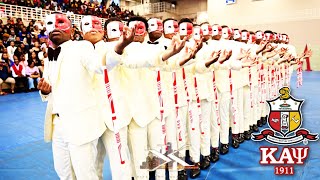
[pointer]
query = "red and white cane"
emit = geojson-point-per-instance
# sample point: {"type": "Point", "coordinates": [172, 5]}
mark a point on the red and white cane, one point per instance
{"type": "Point", "coordinates": [198, 104]}
{"type": "Point", "coordinates": [232, 98]}
{"type": "Point", "coordinates": [216, 102]}
{"type": "Point", "coordinates": [188, 100]}
{"type": "Point", "coordinates": [163, 123]}
{"type": "Point", "coordinates": [250, 86]}
{"type": "Point", "coordinates": [299, 75]}
{"type": "Point", "coordinates": [114, 117]}
{"type": "Point", "coordinates": [175, 92]}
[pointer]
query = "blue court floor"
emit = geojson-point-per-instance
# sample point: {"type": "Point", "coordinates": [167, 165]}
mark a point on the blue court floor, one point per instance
{"type": "Point", "coordinates": [25, 156]}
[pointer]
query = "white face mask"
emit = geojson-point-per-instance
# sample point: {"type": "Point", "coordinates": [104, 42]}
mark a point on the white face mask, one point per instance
{"type": "Point", "coordinates": [244, 36]}
{"type": "Point", "coordinates": [86, 24]}
{"type": "Point", "coordinates": [114, 29]}
{"type": "Point", "coordinates": [57, 21]}
{"type": "Point", "coordinates": [90, 22]}
{"type": "Point", "coordinates": [185, 28]}
{"type": "Point", "coordinates": [154, 24]}
{"type": "Point", "coordinates": [215, 30]}
{"type": "Point", "coordinates": [206, 29]}
{"type": "Point", "coordinates": [225, 33]}
{"type": "Point", "coordinates": [170, 27]}
{"type": "Point", "coordinates": [197, 33]}
{"type": "Point", "coordinates": [50, 23]}
{"type": "Point", "coordinates": [237, 34]}
{"type": "Point", "coordinates": [259, 35]}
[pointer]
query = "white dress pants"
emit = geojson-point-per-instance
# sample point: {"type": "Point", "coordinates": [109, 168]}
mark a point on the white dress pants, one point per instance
{"type": "Point", "coordinates": [73, 161]}
{"type": "Point", "coordinates": [141, 139]}
{"type": "Point", "coordinates": [107, 143]}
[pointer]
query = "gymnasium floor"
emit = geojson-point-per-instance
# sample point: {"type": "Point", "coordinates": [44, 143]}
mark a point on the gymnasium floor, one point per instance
{"type": "Point", "coordinates": [24, 155]}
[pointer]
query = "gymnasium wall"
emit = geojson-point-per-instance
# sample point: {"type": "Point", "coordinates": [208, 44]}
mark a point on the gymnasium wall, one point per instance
{"type": "Point", "coordinates": [300, 19]}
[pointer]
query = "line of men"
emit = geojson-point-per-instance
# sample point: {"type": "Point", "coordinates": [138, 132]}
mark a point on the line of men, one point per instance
{"type": "Point", "coordinates": [156, 86]}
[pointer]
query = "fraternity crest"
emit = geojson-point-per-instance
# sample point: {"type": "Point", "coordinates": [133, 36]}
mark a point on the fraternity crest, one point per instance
{"type": "Point", "coordinates": [285, 120]}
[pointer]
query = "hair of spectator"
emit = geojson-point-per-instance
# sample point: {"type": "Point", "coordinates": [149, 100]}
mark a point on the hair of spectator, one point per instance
{"type": "Point", "coordinates": [251, 32]}
{"type": "Point", "coordinates": [30, 62]}
{"type": "Point", "coordinates": [111, 20]}
{"type": "Point", "coordinates": [284, 34]}
{"type": "Point", "coordinates": [139, 18]}
{"type": "Point", "coordinates": [224, 26]}
{"type": "Point", "coordinates": [244, 30]}
{"type": "Point", "coordinates": [235, 29]}
{"type": "Point", "coordinates": [168, 20]}
{"type": "Point", "coordinates": [258, 31]}
{"type": "Point", "coordinates": [268, 31]}
{"type": "Point", "coordinates": [185, 20]}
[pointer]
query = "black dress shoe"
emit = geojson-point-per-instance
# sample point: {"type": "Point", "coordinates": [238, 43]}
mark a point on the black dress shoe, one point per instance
{"type": "Point", "coordinates": [247, 135]}
{"type": "Point", "coordinates": [196, 171]}
{"type": "Point", "coordinates": [224, 149]}
{"type": "Point", "coordinates": [241, 138]}
{"type": "Point", "coordinates": [205, 162]}
{"type": "Point", "coordinates": [264, 120]}
{"type": "Point", "coordinates": [255, 128]}
{"type": "Point", "coordinates": [214, 156]}
{"type": "Point", "coordinates": [182, 175]}
{"type": "Point", "coordinates": [259, 123]}
{"type": "Point", "coordinates": [235, 141]}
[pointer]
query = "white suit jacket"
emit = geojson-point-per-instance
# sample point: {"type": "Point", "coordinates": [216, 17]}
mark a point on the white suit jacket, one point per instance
{"type": "Point", "coordinates": [73, 95]}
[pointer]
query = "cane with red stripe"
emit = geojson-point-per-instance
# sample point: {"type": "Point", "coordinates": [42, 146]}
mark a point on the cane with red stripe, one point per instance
{"type": "Point", "coordinates": [114, 117]}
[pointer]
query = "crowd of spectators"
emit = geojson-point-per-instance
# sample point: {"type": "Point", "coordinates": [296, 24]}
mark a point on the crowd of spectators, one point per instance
{"type": "Point", "coordinates": [23, 50]}
{"type": "Point", "coordinates": [76, 7]}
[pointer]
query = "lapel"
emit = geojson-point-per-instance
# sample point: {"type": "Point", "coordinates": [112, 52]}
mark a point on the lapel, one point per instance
{"type": "Point", "coordinates": [61, 56]}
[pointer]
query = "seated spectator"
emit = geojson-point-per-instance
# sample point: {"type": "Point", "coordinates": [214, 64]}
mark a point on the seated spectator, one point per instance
{"type": "Point", "coordinates": [12, 36]}
{"type": "Point", "coordinates": [23, 33]}
{"type": "Point", "coordinates": [17, 41]}
{"type": "Point", "coordinates": [33, 75]}
{"type": "Point", "coordinates": [36, 31]}
{"type": "Point", "coordinates": [41, 68]}
{"type": "Point", "coordinates": [19, 74]}
{"type": "Point", "coordinates": [42, 35]}
{"type": "Point", "coordinates": [5, 57]}
{"type": "Point", "coordinates": [5, 76]}
{"type": "Point", "coordinates": [5, 38]}
{"type": "Point", "coordinates": [11, 50]}
{"type": "Point", "coordinates": [34, 57]}
{"type": "Point", "coordinates": [18, 51]}
{"type": "Point", "coordinates": [30, 27]}
{"type": "Point", "coordinates": [2, 47]}
{"type": "Point", "coordinates": [23, 61]}
{"type": "Point", "coordinates": [29, 39]}
{"type": "Point", "coordinates": [36, 47]}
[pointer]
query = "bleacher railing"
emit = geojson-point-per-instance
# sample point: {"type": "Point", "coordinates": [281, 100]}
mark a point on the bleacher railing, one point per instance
{"type": "Point", "coordinates": [151, 8]}
{"type": "Point", "coordinates": [27, 13]}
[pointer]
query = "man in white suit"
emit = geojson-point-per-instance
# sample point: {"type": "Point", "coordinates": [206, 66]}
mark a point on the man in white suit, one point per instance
{"type": "Point", "coordinates": [73, 120]}
{"type": "Point", "coordinates": [92, 31]}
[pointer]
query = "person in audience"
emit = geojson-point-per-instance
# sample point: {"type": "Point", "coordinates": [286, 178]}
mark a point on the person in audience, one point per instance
{"type": "Point", "coordinates": [33, 75]}
{"type": "Point", "coordinates": [2, 47]}
{"type": "Point", "coordinates": [36, 31]}
{"type": "Point", "coordinates": [36, 47]}
{"type": "Point", "coordinates": [5, 73]}
{"type": "Point", "coordinates": [41, 68]}
{"type": "Point", "coordinates": [33, 57]}
{"type": "Point", "coordinates": [11, 50]}
{"type": "Point", "coordinates": [19, 74]}
{"type": "Point", "coordinates": [5, 57]}
{"type": "Point", "coordinates": [23, 61]}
